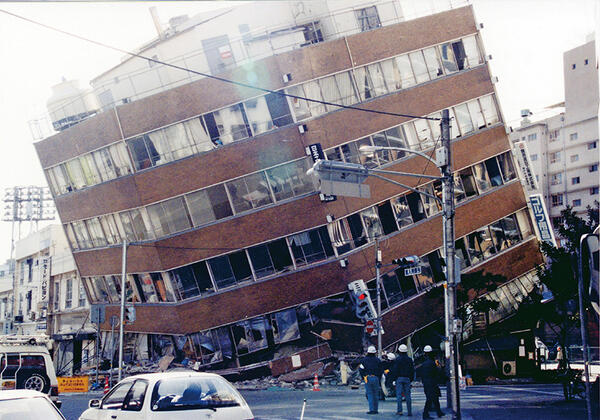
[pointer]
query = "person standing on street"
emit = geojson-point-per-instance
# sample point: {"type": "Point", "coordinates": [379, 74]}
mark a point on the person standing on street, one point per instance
{"type": "Point", "coordinates": [370, 369]}
{"type": "Point", "coordinates": [389, 380]}
{"type": "Point", "coordinates": [403, 371]}
{"type": "Point", "coordinates": [431, 375]}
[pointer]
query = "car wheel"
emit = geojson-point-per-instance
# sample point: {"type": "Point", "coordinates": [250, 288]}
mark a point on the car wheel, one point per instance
{"type": "Point", "coordinates": [36, 382]}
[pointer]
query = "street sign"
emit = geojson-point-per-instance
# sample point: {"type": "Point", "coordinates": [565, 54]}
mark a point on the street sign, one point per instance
{"type": "Point", "coordinates": [411, 271]}
{"type": "Point", "coordinates": [97, 314]}
{"type": "Point", "coordinates": [370, 327]}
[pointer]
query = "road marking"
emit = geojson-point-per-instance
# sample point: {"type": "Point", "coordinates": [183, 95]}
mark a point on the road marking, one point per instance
{"type": "Point", "coordinates": [556, 394]}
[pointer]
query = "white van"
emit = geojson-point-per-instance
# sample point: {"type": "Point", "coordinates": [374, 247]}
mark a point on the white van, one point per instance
{"type": "Point", "coordinates": [26, 364]}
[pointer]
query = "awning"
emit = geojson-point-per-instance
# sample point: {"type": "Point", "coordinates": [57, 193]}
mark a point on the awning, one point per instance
{"type": "Point", "coordinates": [495, 343]}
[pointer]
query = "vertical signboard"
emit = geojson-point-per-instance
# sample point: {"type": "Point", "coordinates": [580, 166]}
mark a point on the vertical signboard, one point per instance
{"type": "Point", "coordinates": [44, 279]}
{"type": "Point", "coordinates": [540, 214]}
{"type": "Point", "coordinates": [524, 162]}
{"type": "Point", "coordinates": [315, 151]}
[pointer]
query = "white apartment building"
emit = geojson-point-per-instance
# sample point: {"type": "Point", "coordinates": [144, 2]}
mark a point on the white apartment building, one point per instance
{"type": "Point", "coordinates": [6, 297]}
{"type": "Point", "coordinates": [563, 149]}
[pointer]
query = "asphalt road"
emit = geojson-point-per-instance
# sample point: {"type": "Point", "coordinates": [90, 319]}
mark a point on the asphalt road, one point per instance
{"type": "Point", "coordinates": [480, 402]}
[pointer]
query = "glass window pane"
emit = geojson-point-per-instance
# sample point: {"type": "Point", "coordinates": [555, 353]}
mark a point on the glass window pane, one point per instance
{"type": "Point", "coordinates": [300, 108]}
{"type": "Point", "coordinates": [500, 240]}
{"type": "Point", "coordinates": [177, 139]}
{"type": "Point", "coordinates": [464, 119]}
{"type": "Point", "coordinates": [145, 285]}
{"type": "Point", "coordinates": [258, 115]}
{"type": "Point", "coordinates": [90, 173]}
{"type": "Point", "coordinates": [279, 110]}
{"type": "Point", "coordinates": [346, 87]}
{"type": "Point", "coordinates": [221, 271]}
{"type": "Point", "coordinates": [511, 230]}
{"type": "Point", "coordinates": [472, 51]}
{"type": "Point", "coordinates": [425, 279]}
{"type": "Point", "coordinates": [280, 255]}
{"type": "Point", "coordinates": [416, 206]}
{"type": "Point", "coordinates": [120, 157]}
{"type": "Point", "coordinates": [524, 223]}
{"type": "Point", "coordinates": [95, 231]}
{"type": "Point", "coordinates": [158, 219]}
{"type": "Point", "coordinates": [411, 136]}
{"type": "Point", "coordinates": [372, 223]}
{"type": "Point", "coordinates": [419, 67]}
{"type": "Point", "coordinates": [447, 56]}
{"type": "Point", "coordinates": [379, 87]}
{"type": "Point", "coordinates": [75, 174]}
{"type": "Point", "coordinates": [158, 148]}
{"type": "Point", "coordinates": [476, 114]}
{"type": "Point", "coordinates": [391, 74]}
{"type": "Point", "coordinates": [491, 165]}
{"type": "Point", "coordinates": [261, 261]}
{"type": "Point", "coordinates": [481, 177]}
{"type": "Point", "coordinates": [198, 135]}
{"type": "Point", "coordinates": [423, 133]}
{"type": "Point", "coordinates": [434, 66]}
{"type": "Point", "coordinates": [406, 72]}
{"type": "Point", "coordinates": [176, 214]}
{"type": "Point", "coordinates": [506, 166]}
{"type": "Point", "coordinates": [330, 92]}
{"type": "Point", "coordinates": [490, 112]}
{"type": "Point", "coordinates": [432, 206]}
{"type": "Point", "coordinates": [141, 224]}
{"type": "Point", "coordinates": [186, 282]}
{"type": "Point", "coordinates": [163, 293]}
{"type": "Point", "coordinates": [202, 276]}
{"type": "Point", "coordinates": [459, 189]}
{"type": "Point", "coordinates": [105, 165]}
{"type": "Point", "coordinates": [357, 230]}
{"type": "Point", "coordinates": [461, 253]}
{"type": "Point", "coordinates": [231, 123]}
{"type": "Point", "coordinates": [249, 192]}
{"type": "Point", "coordinates": [402, 211]}
{"type": "Point", "coordinates": [468, 182]}
{"type": "Point", "coordinates": [81, 233]}
{"type": "Point", "coordinates": [364, 82]}
{"type": "Point", "coordinates": [351, 153]}
{"type": "Point", "coordinates": [392, 288]}
{"type": "Point", "coordinates": [285, 326]}
{"type": "Point", "coordinates": [141, 157]}
{"type": "Point", "coordinates": [395, 138]}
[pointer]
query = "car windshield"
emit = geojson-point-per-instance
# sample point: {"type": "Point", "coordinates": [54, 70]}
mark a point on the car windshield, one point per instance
{"type": "Point", "coordinates": [28, 409]}
{"type": "Point", "coordinates": [192, 393]}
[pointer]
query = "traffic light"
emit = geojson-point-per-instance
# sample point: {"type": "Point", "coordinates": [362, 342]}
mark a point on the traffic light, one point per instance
{"type": "Point", "coordinates": [408, 261]}
{"type": "Point", "coordinates": [129, 314]}
{"type": "Point", "coordinates": [365, 309]}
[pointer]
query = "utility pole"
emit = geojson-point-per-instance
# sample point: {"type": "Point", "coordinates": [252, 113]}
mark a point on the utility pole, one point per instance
{"type": "Point", "coordinates": [582, 325]}
{"type": "Point", "coordinates": [377, 281]}
{"type": "Point", "coordinates": [122, 319]}
{"type": "Point", "coordinates": [445, 163]}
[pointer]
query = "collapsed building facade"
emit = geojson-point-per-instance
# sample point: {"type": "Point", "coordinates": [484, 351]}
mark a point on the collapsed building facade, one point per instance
{"type": "Point", "coordinates": [233, 258]}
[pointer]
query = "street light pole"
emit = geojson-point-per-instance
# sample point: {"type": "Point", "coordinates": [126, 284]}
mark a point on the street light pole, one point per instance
{"type": "Point", "coordinates": [122, 319]}
{"type": "Point", "coordinates": [377, 281]}
{"type": "Point", "coordinates": [445, 164]}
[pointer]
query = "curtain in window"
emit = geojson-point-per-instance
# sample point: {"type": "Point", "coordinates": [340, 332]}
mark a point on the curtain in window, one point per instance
{"type": "Point", "coordinates": [258, 115]}
{"type": "Point", "coordinates": [488, 107]}
{"type": "Point", "coordinates": [419, 67]}
{"type": "Point", "coordinates": [178, 141]}
{"type": "Point", "coordinates": [391, 74]}
{"type": "Point", "coordinates": [196, 131]}
{"type": "Point", "coordinates": [346, 87]}
{"type": "Point", "coordinates": [472, 51]}
{"type": "Point", "coordinates": [330, 92]}
{"type": "Point", "coordinates": [120, 158]}
{"type": "Point", "coordinates": [158, 148]}
{"type": "Point", "coordinates": [313, 91]}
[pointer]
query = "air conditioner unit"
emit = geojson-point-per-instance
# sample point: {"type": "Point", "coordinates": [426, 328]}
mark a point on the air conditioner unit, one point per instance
{"type": "Point", "coordinates": [509, 368]}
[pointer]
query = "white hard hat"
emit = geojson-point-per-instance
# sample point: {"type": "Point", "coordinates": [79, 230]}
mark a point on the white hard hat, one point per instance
{"type": "Point", "coordinates": [403, 348]}
{"type": "Point", "coordinates": [427, 349]}
{"type": "Point", "coordinates": [371, 350]}
{"type": "Point", "coordinates": [391, 356]}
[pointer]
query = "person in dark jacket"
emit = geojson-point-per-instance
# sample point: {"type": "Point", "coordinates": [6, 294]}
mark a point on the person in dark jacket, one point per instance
{"type": "Point", "coordinates": [431, 375]}
{"type": "Point", "coordinates": [371, 369]}
{"type": "Point", "coordinates": [403, 372]}
{"type": "Point", "coordinates": [389, 380]}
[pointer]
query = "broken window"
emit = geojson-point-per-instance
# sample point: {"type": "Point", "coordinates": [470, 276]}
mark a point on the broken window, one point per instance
{"type": "Point", "coordinates": [248, 192]}
{"type": "Point", "coordinates": [416, 206]}
{"type": "Point", "coordinates": [387, 217]}
{"type": "Point", "coordinates": [230, 269]}
{"type": "Point", "coordinates": [401, 211]}
{"type": "Point", "coordinates": [481, 177]}
{"type": "Point", "coordinates": [250, 336]}
{"type": "Point", "coordinates": [163, 287]}
{"type": "Point", "coordinates": [493, 172]}
{"type": "Point", "coordinates": [368, 18]}
{"type": "Point", "coordinates": [372, 223]}
{"type": "Point", "coordinates": [273, 257]}
{"type": "Point", "coordinates": [506, 166]}
{"type": "Point", "coordinates": [285, 326]}
{"type": "Point", "coordinates": [311, 246]}
{"type": "Point", "coordinates": [144, 284]}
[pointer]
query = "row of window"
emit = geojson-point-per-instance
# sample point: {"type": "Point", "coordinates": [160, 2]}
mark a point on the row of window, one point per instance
{"type": "Point", "coordinates": [266, 187]}
{"type": "Point", "coordinates": [471, 249]}
{"type": "Point", "coordinates": [266, 331]}
{"type": "Point", "coordinates": [291, 252]}
{"type": "Point", "coordinates": [262, 114]}
{"type": "Point", "coordinates": [558, 199]}
{"type": "Point", "coordinates": [193, 209]}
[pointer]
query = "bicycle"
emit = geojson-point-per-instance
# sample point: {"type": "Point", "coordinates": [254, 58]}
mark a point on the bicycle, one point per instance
{"type": "Point", "coordinates": [573, 386]}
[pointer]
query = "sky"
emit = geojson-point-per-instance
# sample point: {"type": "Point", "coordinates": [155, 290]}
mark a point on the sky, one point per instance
{"type": "Point", "coordinates": [526, 38]}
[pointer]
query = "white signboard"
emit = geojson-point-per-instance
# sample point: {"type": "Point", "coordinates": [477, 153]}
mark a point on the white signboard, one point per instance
{"type": "Point", "coordinates": [540, 214]}
{"type": "Point", "coordinates": [44, 278]}
{"type": "Point", "coordinates": [525, 167]}
{"type": "Point", "coordinates": [411, 271]}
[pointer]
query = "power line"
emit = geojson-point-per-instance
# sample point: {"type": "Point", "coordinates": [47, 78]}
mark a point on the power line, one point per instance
{"type": "Point", "coordinates": [222, 79]}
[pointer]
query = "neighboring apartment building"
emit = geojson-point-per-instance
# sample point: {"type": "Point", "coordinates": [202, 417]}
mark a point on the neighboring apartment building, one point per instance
{"type": "Point", "coordinates": [68, 313]}
{"type": "Point", "coordinates": [563, 149]}
{"type": "Point", "coordinates": [50, 297]}
{"type": "Point", "coordinates": [233, 258]}
{"type": "Point", "coordinates": [6, 297]}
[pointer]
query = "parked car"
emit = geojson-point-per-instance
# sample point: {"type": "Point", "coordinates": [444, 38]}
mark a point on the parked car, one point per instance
{"type": "Point", "coordinates": [25, 404]}
{"type": "Point", "coordinates": [26, 364]}
{"type": "Point", "coordinates": [172, 396]}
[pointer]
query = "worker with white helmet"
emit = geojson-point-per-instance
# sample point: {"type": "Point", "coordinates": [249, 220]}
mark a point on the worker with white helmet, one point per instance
{"type": "Point", "coordinates": [370, 369]}
{"type": "Point", "coordinates": [403, 372]}
{"type": "Point", "coordinates": [431, 376]}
